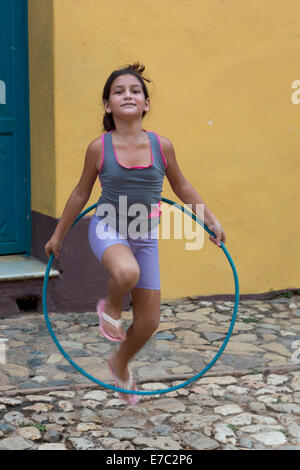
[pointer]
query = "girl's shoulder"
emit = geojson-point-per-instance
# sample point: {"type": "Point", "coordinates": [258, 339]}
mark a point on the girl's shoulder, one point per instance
{"type": "Point", "coordinates": [96, 143]}
{"type": "Point", "coordinates": [165, 142]}
{"type": "Point", "coordinates": [95, 149]}
{"type": "Point", "coordinates": [166, 146]}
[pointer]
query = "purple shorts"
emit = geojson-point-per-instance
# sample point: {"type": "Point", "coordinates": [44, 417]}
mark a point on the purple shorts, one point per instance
{"type": "Point", "coordinates": [145, 250]}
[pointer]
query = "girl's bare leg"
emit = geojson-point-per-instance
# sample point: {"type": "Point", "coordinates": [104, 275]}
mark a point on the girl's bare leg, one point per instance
{"type": "Point", "coordinates": [146, 316]}
{"type": "Point", "coordinates": [124, 274]}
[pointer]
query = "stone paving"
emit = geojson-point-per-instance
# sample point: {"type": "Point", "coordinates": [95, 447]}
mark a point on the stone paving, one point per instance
{"type": "Point", "coordinates": [250, 399]}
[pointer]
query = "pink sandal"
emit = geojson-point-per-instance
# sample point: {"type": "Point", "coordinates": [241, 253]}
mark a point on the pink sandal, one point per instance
{"type": "Point", "coordinates": [130, 398]}
{"type": "Point", "coordinates": [116, 323]}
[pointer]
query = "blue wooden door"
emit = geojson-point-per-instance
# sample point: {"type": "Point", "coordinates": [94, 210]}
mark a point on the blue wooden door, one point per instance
{"type": "Point", "coordinates": [15, 213]}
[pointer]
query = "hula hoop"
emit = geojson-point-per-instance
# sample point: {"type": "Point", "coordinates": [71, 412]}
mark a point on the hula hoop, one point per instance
{"type": "Point", "coordinates": [139, 392]}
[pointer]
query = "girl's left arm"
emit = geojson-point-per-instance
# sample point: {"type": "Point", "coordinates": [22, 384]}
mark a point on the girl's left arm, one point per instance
{"type": "Point", "coordinates": [188, 194]}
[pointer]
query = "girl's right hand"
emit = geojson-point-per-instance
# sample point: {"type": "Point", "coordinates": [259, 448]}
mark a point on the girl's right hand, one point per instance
{"type": "Point", "coordinates": [53, 246]}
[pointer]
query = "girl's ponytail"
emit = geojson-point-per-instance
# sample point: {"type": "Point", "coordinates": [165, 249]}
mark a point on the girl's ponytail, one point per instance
{"type": "Point", "coordinates": [139, 69]}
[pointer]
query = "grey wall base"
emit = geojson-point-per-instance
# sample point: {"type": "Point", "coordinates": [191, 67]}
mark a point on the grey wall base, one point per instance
{"type": "Point", "coordinates": [82, 280]}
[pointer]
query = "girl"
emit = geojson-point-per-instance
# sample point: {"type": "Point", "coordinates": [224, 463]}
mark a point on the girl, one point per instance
{"type": "Point", "coordinates": [130, 162]}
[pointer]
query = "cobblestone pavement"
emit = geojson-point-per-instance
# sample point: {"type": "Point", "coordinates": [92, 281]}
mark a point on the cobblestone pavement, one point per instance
{"type": "Point", "coordinates": [250, 399]}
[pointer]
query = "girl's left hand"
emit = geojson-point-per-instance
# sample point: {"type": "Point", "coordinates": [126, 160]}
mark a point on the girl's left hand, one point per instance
{"type": "Point", "coordinates": [217, 229]}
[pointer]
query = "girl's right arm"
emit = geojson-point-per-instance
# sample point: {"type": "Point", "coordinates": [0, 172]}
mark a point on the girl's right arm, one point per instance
{"type": "Point", "coordinates": [78, 198]}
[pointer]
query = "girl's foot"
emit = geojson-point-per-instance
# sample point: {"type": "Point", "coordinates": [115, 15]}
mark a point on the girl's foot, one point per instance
{"type": "Point", "coordinates": [123, 379]}
{"type": "Point", "coordinates": [110, 327]}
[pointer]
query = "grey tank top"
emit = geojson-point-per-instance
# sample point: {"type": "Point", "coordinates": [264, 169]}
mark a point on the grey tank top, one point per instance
{"type": "Point", "coordinates": [125, 189]}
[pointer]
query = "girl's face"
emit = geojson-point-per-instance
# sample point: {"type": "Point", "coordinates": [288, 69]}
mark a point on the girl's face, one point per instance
{"type": "Point", "coordinates": [127, 98]}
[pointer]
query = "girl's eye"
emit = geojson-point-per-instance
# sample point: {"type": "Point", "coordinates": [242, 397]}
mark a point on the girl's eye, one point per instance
{"type": "Point", "coordinates": [119, 91]}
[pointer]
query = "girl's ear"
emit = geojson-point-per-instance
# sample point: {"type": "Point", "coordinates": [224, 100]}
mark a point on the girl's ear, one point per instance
{"type": "Point", "coordinates": [147, 104]}
{"type": "Point", "coordinates": [106, 106]}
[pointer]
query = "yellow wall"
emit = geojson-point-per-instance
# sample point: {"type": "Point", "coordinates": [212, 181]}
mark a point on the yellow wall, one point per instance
{"type": "Point", "coordinates": [221, 92]}
{"type": "Point", "coordinates": [42, 118]}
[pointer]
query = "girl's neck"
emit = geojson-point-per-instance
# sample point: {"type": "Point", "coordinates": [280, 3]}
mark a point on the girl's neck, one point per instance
{"type": "Point", "coordinates": [128, 131]}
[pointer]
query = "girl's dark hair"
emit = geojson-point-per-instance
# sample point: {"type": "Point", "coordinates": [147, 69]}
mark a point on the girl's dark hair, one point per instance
{"type": "Point", "coordinates": [135, 69]}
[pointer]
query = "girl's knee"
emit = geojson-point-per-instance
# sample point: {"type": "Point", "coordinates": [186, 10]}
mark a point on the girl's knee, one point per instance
{"type": "Point", "coordinates": [148, 325]}
{"type": "Point", "coordinates": [153, 325]}
{"type": "Point", "coordinates": [127, 276]}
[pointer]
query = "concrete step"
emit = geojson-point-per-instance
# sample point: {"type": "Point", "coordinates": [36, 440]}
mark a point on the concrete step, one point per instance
{"type": "Point", "coordinates": [21, 284]}
{"type": "Point", "coordinates": [20, 267]}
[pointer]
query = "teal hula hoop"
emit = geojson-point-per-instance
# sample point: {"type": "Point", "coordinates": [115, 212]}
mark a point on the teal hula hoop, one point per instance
{"type": "Point", "coordinates": [138, 392]}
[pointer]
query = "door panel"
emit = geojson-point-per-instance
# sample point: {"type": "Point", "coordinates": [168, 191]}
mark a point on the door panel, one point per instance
{"type": "Point", "coordinates": [15, 220]}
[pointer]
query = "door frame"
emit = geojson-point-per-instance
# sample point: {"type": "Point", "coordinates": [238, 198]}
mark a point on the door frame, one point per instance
{"type": "Point", "coordinates": [27, 153]}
